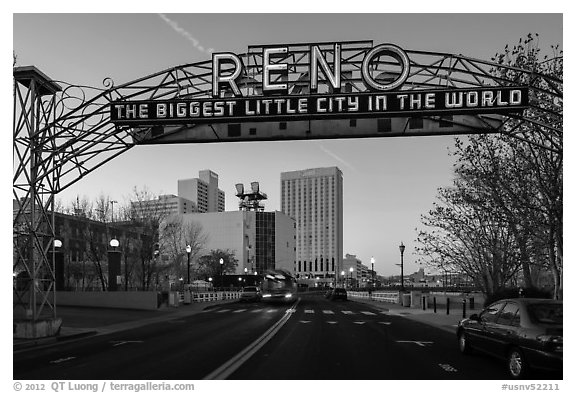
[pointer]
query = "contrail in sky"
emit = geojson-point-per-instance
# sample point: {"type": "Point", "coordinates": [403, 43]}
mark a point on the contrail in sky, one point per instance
{"type": "Point", "coordinates": [185, 34]}
{"type": "Point", "coordinates": [337, 158]}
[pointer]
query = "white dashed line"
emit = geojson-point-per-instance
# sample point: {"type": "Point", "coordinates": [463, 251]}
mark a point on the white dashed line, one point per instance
{"type": "Point", "coordinates": [240, 310]}
{"type": "Point", "coordinates": [348, 312]}
{"type": "Point", "coordinates": [367, 313]}
{"type": "Point", "coordinates": [328, 311]}
{"type": "Point", "coordinates": [308, 311]}
{"type": "Point", "coordinates": [224, 310]}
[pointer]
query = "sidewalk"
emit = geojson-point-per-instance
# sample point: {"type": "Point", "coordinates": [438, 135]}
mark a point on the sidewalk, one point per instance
{"type": "Point", "coordinates": [439, 319]}
{"type": "Point", "coordinates": [79, 322]}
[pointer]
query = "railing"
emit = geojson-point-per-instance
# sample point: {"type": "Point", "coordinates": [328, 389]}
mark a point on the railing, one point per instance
{"type": "Point", "coordinates": [199, 297]}
{"type": "Point", "coordinates": [386, 297]}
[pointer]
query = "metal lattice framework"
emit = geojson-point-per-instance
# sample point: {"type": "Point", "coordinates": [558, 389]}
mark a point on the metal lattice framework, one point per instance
{"type": "Point", "coordinates": [62, 132]}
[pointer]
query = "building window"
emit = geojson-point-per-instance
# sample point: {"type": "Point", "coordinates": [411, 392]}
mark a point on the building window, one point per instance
{"type": "Point", "coordinates": [282, 125]}
{"type": "Point", "coordinates": [252, 131]}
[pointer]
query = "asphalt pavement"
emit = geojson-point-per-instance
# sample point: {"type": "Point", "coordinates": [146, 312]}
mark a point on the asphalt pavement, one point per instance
{"type": "Point", "coordinates": [78, 322]}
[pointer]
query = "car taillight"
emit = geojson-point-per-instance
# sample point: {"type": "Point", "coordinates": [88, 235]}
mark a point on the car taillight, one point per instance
{"type": "Point", "coordinates": [555, 343]}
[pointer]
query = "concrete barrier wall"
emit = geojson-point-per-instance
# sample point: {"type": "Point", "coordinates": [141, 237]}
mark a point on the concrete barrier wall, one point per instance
{"type": "Point", "coordinates": [143, 300]}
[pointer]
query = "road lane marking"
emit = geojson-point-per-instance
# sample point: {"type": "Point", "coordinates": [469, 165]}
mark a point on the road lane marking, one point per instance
{"type": "Point", "coordinates": [385, 323]}
{"type": "Point", "coordinates": [304, 321]}
{"type": "Point", "coordinates": [448, 368]}
{"type": "Point", "coordinates": [367, 313]}
{"type": "Point", "coordinates": [359, 322]}
{"type": "Point", "coordinates": [235, 362]}
{"type": "Point", "coordinates": [118, 343]}
{"type": "Point", "coordinates": [240, 310]}
{"type": "Point", "coordinates": [328, 311]}
{"type": "Point", "coordinates": [308, 311]}
{"type": "Point", "coordinates": [331, 322]}
{"type": "Point", "coordinates": [223, 310]}
{"type": "Point", "coordinates": [420, 343]}
{"type": "Point", "coordinates": [348, 312]}
{"type": "Point", "coordinates": [62, 360]}
{"type": "Point", "coordinates": [272, 310]}
{"type": "Point", "coordinates": [257, 310]}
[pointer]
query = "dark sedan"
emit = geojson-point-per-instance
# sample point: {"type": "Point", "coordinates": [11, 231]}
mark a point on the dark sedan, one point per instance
{"type": "Point", "coordinates": [527, 333]}
{"type": "Point", "coordinates": [338, 294]}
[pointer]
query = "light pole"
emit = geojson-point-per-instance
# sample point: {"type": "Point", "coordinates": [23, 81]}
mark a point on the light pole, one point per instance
{"type": "Point", "coordinates": [343, 279]}
{"type": "Point", "coordinates": [351, 270]}
{"type": "Point", "coordinates": [372, 262]}
{"type": "Point", "coordinates": [221, 272]}
{"type": "Point", "coordinates": [188, 251]}
{"type": "Point", "coordinates": [402, 247]}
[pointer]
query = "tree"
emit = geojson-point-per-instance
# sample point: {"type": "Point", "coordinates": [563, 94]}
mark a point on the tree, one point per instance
{"type": "Point", "coordinates": [209, 264]}
{"type": "Point", "coordinates": [146, 211]}
{"type": "Point", "coordinates": [513, 179]}
{"type": "Point", "coordinates": [175, 236]}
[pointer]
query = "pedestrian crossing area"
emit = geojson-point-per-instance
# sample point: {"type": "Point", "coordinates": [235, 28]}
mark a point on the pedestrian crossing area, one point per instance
{"type": "Point", "coordinates": [307, 311]}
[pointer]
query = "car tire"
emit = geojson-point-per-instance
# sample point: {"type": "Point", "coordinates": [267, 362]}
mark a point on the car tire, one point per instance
{"type": "Point", "coordinates": [516, 363]}
{"type": "Point", "coordinates": [464, 343]}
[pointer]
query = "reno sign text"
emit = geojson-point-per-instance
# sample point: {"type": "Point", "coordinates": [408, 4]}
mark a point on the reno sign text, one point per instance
{"type": "Point", "coordinates": [275, 100]}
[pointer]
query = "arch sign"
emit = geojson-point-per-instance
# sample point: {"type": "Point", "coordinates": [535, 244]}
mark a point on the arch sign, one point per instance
{"type": "Point", "coordinates": [374, 83]}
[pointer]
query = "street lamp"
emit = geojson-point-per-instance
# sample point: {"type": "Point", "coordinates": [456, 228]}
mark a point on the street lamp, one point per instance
{"type": "Point", "coordinates": [221, 272]}
{"type": "Point", "coordinates": [372, 262]}
{"type": "Point", "coordinates": [342, 274]}
{"type": "Point", "coordinates": [188, 251]}
{"type": "Point", "coordinates": [402, 247]}
{"type": "Point", "coordinates": [351, 270]}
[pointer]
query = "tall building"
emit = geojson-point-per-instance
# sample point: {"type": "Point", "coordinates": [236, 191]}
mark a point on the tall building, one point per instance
{"type": "Point", "coordinates": [203, 191]}
{"type": "Point", "coordinates": [313, 197]}
{"type": "Point", "coordinates": [165, 205]}
{"type": "Point", "coordinates": [259, 240]}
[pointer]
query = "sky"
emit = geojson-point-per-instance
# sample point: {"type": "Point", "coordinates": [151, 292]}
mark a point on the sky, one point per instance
{"type": "Point", "coordinates": [388, 182]}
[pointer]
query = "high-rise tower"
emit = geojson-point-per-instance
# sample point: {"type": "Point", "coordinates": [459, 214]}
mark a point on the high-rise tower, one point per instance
{"type": "Point", "coordinates": [313, 197]}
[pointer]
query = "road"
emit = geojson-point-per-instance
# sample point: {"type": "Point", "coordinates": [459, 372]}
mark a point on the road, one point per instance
{"type": "Point", "coordinates": [317, 339]}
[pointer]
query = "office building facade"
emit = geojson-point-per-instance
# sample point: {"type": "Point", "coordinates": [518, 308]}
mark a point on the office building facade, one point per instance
{"type": "Point", "coordinates": [314, 198]}
{"type": "Point", "coordinates": [259, 240]}
{"type": "Point", "coordinates": [203, 191]}
{"type": "Point", "coordinates": [163, 206]}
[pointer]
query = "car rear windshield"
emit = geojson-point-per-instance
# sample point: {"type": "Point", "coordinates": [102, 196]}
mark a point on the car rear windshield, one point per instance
{"type": "Point", "coordinates": [546, 313]}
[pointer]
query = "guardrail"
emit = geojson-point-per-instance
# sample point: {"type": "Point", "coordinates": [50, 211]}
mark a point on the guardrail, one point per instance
{"type": "Point", "coordinates": [386, 297]}
{"type": "Point", "coordinates": [199, 297]}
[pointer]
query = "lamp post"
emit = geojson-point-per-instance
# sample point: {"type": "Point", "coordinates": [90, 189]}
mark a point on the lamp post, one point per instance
{"type": "Point", "coordinates": [372, 262]}
{"type": "Point", "coordinates": [221, 272]}
{"type": "Point", "coordinates": [114, 268]}
{"type": "Point", "coordinates": [342, 274]}
{"type": "Point", "coordinates": [351, 270]}
{"type": "Point", "coordinates": [402, 247]}
{"type": "Point", "coordinates": [188, 251]}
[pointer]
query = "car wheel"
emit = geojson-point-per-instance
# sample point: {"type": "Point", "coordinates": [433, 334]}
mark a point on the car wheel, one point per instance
{"type": "Point", "coordinates": [517, 366]}
{"type": "Point", "coordinates": [464, 343]}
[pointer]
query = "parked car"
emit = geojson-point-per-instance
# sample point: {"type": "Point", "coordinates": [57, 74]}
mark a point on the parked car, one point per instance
{"type": "Point", "coordinates": [527, 333]}
{"type": "Point", "coordinates": [250, 294]}
{"type": "Point", "coordinates": [338, 294]}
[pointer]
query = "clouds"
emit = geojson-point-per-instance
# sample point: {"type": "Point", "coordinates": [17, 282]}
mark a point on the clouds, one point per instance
{"type": "Point", "coordinates": [185, 34]}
